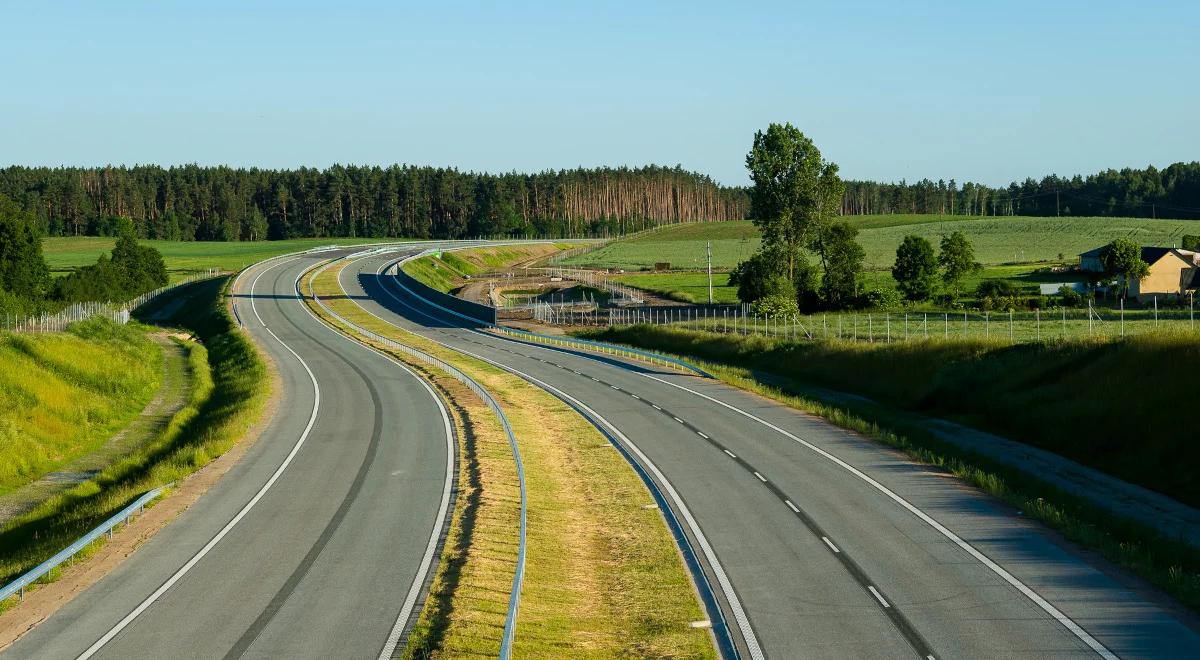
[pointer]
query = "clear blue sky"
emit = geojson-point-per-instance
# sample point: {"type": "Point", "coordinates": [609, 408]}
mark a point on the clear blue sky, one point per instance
{"type": "Point", "coordinates": [986, 91]}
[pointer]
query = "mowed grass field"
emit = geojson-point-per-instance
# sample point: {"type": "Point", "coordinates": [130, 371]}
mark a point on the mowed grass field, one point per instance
{"type": "Point", "coordinates": [185, 257]}
{"type": "Point", "coordinates": [997, 240]}
{"type": "Point", "coordinates": [692, 286]}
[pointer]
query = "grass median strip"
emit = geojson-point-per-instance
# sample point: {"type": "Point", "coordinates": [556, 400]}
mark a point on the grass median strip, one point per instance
{"type": "Point", "coordinates": [603, 576]}
{"type": "Point", "coordinates": [1168, 563]}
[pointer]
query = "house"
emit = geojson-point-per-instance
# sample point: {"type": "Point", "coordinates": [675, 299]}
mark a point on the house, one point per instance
{"type": "Point", "coordinates": [1173, 272]}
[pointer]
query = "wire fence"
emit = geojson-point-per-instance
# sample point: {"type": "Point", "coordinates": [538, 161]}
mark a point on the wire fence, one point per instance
{"type": "Point", "coordinates": [117, 312]}
{"type": "Point", "coordinates": [887, 327]}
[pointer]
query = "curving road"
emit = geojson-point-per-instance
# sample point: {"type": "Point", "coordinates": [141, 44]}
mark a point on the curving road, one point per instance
{"type": "Point", "coordinates": [816, 542]}
{"type": "Point", "coordinates": [316, 544]}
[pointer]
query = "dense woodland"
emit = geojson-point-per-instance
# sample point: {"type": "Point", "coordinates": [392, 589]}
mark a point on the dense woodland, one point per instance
{"type": "Point", "coordinates": [222, 203]}
{"type": "Point", "coordinates": [1173, 192]}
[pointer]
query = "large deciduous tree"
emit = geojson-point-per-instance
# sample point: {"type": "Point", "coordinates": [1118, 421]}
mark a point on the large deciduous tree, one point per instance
{"type": "Point", "coordinates": [915, 270]}
{"type": "Point", "coordinates": [957, 259]}
{"type": "Point", "coordinates": [795, 198]}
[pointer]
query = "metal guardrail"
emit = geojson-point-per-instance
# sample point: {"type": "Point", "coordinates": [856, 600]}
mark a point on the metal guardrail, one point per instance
{"type": "Point", "coordinates": [604, 347]}
{"type": "Point", "coordinates": [533, 336]}
{"type": "Point", "coordinates": [510, 622]}
{"type": "Point", "coordinates": [17, 587]}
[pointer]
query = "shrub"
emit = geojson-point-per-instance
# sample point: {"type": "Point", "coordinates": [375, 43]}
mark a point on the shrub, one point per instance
{"type": "Point", "coordinates": [885, 300]}
{"type": "Point", "coordinates": [1068, 297]}
{"type": "Point", "coordinates": [776, 306]}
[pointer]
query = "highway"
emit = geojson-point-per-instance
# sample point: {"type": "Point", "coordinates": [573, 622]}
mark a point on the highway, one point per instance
{"type": "Point", "coordinates": [814, 542]}
{"type": "Point", "coordinates": [818, 543]}
{"type": "Point", "coordinates": [316, 544]}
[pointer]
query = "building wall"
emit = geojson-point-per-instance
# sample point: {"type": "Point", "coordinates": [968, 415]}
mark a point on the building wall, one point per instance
{"type": "Point", "coordinates": [1165, 278]}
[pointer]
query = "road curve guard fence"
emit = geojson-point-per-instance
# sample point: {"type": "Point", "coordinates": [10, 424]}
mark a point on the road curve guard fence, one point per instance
{"type": "Point", "coordinates": [17, 587]}
{"type": "Point", "coordinates": [485, 314]}
{"type": "Point", "coordinates": [510, 621]}
{"type": "Point", "coordinates": [447, 302]}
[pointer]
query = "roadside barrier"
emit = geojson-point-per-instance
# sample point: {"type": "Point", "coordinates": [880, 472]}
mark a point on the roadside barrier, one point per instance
{"type": "Point", "coordinates": [436, 298]}
{"type": "Point", "coordinates": [17, 587]}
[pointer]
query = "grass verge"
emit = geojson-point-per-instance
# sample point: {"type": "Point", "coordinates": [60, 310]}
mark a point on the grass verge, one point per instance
{"type": "Point", "coordinates": [65, 394]}
{"type": "Point", "coordinates": [603, 576]}
{"type": "Point", "coordinates": [446, 271]}
{"type": "Point", "coordinates": [1168, 563]}
{"type": "Point", "coordinates": [230, 389]}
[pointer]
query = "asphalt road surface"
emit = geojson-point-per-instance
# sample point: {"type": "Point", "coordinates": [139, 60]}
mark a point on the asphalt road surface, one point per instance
{"type": "Point", "coordinates": [821, 544]}
{"type": "Point", "coordinates": [315, 544]}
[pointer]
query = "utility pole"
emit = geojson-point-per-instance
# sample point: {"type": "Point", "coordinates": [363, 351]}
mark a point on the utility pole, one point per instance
{"type": "Point", "coordinates": [709, 251]}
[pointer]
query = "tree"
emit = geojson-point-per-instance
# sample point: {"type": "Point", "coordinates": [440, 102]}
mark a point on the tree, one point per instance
{"type": "Point", "coordinates": [23, 270]}
{"type": "Point", "coordinates": [957, 259]}
{"type": "Point", "coordinates": [761, 276]}
{"type": "Point", "coordinates": [1122, 259]}
{"type": "Point", "coordinates": [915, 270]}
{"type": "Point", "coordinates": [842, 258]}
{"type": "Point", "coordinates": [789, 199]}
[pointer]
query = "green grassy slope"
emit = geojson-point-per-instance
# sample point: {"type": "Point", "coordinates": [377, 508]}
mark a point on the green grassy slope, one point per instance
{"type": "Point", "coordinates": [229, 393]}
{"type": "Point", "coordinates": [63, 395]}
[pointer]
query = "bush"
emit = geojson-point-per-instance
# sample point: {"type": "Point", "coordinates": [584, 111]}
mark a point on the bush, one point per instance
{"type": "Point", "coordinates": [885, 300]}
{"type": "Point", "coordinates": [1068, 297]}
{"type": "Point", "coordinates": [777, 306]}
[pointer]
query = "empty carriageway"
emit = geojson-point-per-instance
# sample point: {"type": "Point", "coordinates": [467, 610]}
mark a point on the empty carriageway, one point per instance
{"type": "Point", "coordinates": [816, 542]}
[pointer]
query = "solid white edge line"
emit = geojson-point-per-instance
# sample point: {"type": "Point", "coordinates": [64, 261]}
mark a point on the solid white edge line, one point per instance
{"type": "Point", "coordinates": [731, 597]}
{"type": "Point", "coordinates": [137, 611]}
{"type": "Point", "coordinates": [878, 596]}
{"type": "Point", "coordinates": [1029, 593]}
{"type": "Point", "coordinates": [414, 590]}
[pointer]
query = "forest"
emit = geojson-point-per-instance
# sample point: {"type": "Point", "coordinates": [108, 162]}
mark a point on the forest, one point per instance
{"type": "Point", "coordinates": [226, 204]}
{"type": "Point", "coordinates": [191, 202]}
{"type": "Point", "coordinates": [1172, 192]}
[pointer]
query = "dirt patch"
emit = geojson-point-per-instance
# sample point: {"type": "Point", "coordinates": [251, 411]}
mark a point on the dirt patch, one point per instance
{"type": "Point", "coordinates": [44, 601]}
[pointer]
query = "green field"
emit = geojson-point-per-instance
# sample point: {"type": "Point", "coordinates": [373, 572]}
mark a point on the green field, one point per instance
{"type": "Point", "coordinates": [997, 240]}
{"type": "Point", "coordinates": [692, 286]}
{"type": "Point", "coordinates": [185, 257]}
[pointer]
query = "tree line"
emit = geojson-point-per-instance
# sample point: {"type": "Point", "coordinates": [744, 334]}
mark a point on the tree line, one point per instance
{"type": "Point", "coordinates": [227, 204]}
{"type": "Point", "coordinates": [27, 288]}
{"type": "Point", "coordinates": [1172, 192]}
{"type": "Point", "coordinates": [230, 204]}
